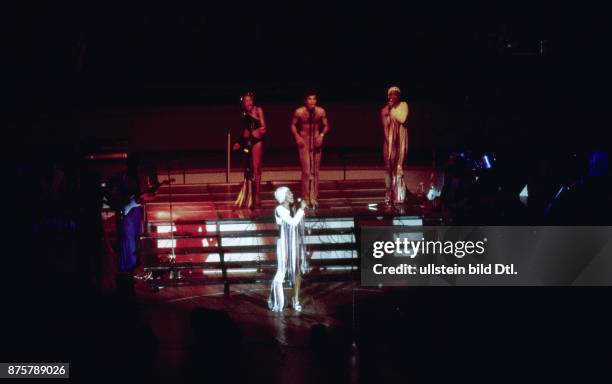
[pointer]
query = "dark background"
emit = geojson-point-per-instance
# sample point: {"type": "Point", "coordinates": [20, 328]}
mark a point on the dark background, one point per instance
{"type": "Point", "coordinates": [528, 78]}
{"type": "Point", "coordinates": [477, 74]}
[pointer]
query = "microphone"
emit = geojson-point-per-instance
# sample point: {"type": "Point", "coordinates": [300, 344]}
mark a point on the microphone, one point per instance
{"type": "Point", "coordinates": [297, 204]}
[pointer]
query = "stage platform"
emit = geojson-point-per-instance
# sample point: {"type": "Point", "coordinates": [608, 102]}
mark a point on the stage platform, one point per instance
{"type": "Point", "coordinates": [196, 235]}
{"type": "Point", "coordinates": [206, 193]}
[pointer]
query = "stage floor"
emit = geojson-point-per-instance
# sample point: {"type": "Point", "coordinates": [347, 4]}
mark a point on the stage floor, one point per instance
{"type": "Point", "coordinates": [274, 347]}
{"type": "Point", "coordinates": [207, 226]}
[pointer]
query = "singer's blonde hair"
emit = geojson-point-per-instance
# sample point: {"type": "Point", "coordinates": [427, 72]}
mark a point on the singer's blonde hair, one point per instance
{"type": "Point", "coordinates": [281, 194]}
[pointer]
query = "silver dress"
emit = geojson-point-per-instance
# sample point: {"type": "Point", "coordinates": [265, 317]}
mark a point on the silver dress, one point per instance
{"type": "Point", "coordinates": [290, 252]}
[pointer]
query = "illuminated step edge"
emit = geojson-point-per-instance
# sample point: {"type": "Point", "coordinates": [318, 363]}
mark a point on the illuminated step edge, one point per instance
{"type": "Point", "coordinates": [408, 221]}
{"type": "Point", "coordinates": [229, 270]}
{"type": "Point", "coordinates": [330, 255]}
{"type": "Point", "coordinates": [320, 239]}
{"type": "Point", "coordinates": [263, 257]}
{"type": "Point", "coordinates": [329, 223]}
{"type": "Point", "coordinates": [313, 223]}
{"type": "Point", "coordinates": [316, 255]}
{"type": "Point", "coordinates": [255, 270]}
{"type": "Point", "coordinates": [254, 241]}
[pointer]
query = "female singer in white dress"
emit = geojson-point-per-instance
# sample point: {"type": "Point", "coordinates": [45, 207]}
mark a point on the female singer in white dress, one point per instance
{"type": "Point", "coordinates": [290, 250]}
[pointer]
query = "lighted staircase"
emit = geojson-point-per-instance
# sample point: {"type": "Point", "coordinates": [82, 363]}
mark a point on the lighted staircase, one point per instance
{"type": "Point", "coordinates": [213, 242]}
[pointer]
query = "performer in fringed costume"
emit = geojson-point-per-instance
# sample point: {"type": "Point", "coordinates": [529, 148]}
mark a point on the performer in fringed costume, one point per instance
{"type": "Point", "coordinates": [251, 143]}
{"type": "Point", "coordinates": [290, 251]}
{"type": "Point", "coordinates": [393, 116]}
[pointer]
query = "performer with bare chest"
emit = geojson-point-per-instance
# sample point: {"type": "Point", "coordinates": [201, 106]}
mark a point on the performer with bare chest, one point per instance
{"type": "Point", "coordinates": [313, 126]}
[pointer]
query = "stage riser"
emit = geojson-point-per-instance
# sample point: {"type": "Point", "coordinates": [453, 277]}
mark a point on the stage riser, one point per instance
{"type": "Point", "coordinates": [169, 283]}
{"type": "Point", "coordinates": [152, 237]}
{"type": "Point", "coordinates": [190, 208]}
{"type": "Point", "coordinates": [335, 255]}
{"type": "Point", "coordinates": [269, 186]}
{"type": "Point", "coordinates": [246, 226]}
{"type": "Point", "coordinates": [190, 215]}
{"type": "Point", "coordinates": [163, 252]}
{"type": "Point", "coordinates": [250, 277]}
{"type": "Point", "coordinates": [237, 266]}
{"type": "Point", "coordinates": [207, 228]}
{"type": "Point", "coordinates": [266, 196]}
{"type": "Point", "coordinates": [413, 176]}
{"type": "Point", "coordinates": [245, 241]}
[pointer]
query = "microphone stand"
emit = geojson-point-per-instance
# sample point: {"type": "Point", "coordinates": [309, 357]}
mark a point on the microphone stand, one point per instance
{"type": "Point", "coordinates": [311, 154]}
{"type": "Point", "coordinates": [229, 149]}
{"type": "Point", "coordinates": [172, 244]}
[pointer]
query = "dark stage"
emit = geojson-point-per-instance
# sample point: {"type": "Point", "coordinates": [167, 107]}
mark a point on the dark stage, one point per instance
{"type": "Point", "coordinates": [150, 239]}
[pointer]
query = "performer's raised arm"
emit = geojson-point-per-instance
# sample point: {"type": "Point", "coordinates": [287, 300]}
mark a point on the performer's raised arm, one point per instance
{"type": "Point", "coordinates": [400, 113]}
{"type": "Point", "coordinates": [284, 215]}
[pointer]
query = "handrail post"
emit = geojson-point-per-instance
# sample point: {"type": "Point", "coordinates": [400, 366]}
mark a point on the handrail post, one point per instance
{"type": "Point", "coordinates": [226, 285]}
{"type": "Point", "coordinates": [229, 151]}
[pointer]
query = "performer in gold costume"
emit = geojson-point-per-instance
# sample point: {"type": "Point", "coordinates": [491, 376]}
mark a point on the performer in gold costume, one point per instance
{"type": "Point", "coordinates": [393, 115]}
